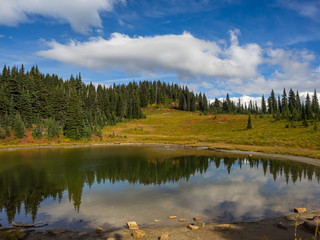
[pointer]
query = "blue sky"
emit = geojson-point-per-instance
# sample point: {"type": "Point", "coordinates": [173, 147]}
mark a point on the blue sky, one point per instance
{"type": "Point", "coordinates": [218, 46]}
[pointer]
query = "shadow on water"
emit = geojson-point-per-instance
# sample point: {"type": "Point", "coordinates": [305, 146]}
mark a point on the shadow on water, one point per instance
{"type": "Point", "coordinates": [27, 178]}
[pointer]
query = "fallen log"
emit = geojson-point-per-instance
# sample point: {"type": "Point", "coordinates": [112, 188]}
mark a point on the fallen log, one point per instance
{"type": "Point", "coordinates": [33, 225]}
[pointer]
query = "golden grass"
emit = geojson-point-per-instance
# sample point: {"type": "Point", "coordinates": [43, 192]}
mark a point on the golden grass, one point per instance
{"type": "Point", "coordinates": [219, 131]}
{"type": "Point", "coordinates": [170, 126]}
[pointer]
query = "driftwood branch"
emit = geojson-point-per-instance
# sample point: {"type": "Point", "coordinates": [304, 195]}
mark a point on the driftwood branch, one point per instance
{"type": "Point", "coordinates": [34, 225]}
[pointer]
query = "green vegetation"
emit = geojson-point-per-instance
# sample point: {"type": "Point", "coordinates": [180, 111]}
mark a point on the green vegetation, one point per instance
{"type": "Point", "coordinates": [38, 109]}
{"type": "Point", "coordinates": [164, 125]}
{"type": "Point", "coordinates": [79, 110]}
{"type": "Point", "coordinates": [249, 125]}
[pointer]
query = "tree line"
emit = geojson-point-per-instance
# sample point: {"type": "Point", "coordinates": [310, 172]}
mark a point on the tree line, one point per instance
{"type": "Point", "coordinates": [281, 107]}
{"type": "Point", "coordinates": [49, 105]}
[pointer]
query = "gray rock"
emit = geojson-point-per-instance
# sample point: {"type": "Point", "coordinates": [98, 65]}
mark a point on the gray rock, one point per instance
{"type": "Point", "coordinates": [282, 226]}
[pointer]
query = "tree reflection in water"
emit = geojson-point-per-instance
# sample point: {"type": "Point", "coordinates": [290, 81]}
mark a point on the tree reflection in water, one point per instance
{"type": "Point", "coordinates": [29, 177]}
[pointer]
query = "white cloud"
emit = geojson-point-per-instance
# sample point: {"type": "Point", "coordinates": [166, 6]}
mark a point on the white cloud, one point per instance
{"type": "Point", "coordinates": [204, 65]}
{"type": "Point", "coordinates": [310, 9]}
{"type": "Point", "coordinates": [293, 70]}
{"type": "Point", "coordinates": [82, 15]}
{"type": "Point", "coordinates": [183, 54]}
{"type": "Point", "coordinates": [2, 36]}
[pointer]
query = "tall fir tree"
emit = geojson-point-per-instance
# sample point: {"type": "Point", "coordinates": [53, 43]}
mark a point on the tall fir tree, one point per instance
{"type": "Point", "coordinates": [263, 105]}
{"type": "Point", "coordinates": [18, 127]}
{"type": "Point", "coordinates": [74, 121]}
{"type": "Point", "coordinates": [315, 105]}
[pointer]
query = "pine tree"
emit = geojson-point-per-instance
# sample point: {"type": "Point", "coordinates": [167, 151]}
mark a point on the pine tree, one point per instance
{"type": "Point", "coordinates": [37, 132]}
{"type": "Point", "coordinates": [205, 103]}
{"type": "Point", "coordinates": [308, 110]}
{"type": "Point", "coordinates": [52, 129]}
{"type": "Point", "coordinates": [292, 101]}
{"type": "Point", "coordinates": [18, 127]}
{"type": "Point", "coordinates": [272, 103]}
{"type": "Point", "coordinates": [284, 104]}
{"type": "Point", "coordinates": [315, 105]}
{"type": "Point", "coordinates": [74, 122]}
{"type": "Point", "coordinates": [249, 125]}
{"type": "Point", "coordinates": [263, 105]}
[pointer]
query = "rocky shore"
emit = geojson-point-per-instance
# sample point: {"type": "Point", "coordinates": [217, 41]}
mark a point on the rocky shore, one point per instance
{"type": "Point", "coordinates": [301, 225]}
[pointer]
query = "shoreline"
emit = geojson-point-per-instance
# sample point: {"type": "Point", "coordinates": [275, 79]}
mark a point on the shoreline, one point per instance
{"type": "Point", "coordinates": [275, 228]}
{"type": "Point", "coordinates": [170, 146]}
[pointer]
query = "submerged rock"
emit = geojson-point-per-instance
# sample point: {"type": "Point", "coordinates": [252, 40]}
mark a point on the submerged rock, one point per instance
{"type": "Point", "coordinates": [222, 227]}
{"type": "Point", "coordinates": [282, 226]}
{"type": "Point", "coordinates": [57, 231]}
{"type": "Point", "coordinates": [182, 220]}
{"type": "Point", "coordinates": [99, 229]}
{"type": "Point", "coordinates": [82, 234]}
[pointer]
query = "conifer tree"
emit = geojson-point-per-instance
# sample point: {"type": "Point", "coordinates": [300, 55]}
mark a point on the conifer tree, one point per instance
{"type": "Point", "coordinates": [52, 128]}
{"type": "Point", "coordinates": [205, 103]}
{"type": "Point", "coordinates": [74, 122]}
{"type": "Point", "coordinates": [263, 105]}
{"type": "Point", "coordinates": [284, 105]}
{"type": "Point", "coordinates": [249, 124]}
{"type": "Point", "coordinates": [37, 132]}
{"type": "Point", "coordinates": [18, 127]}
{"type": "Point", "coordinates": [292, 101]}
{"type": "Point", "coordinates": [315, 105]}
{"type": "Point", "coordinates": [308, 110]}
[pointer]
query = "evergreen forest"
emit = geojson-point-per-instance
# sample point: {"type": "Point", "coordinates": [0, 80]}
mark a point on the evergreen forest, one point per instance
{"type": "Point", "coordinates": [49, 106]}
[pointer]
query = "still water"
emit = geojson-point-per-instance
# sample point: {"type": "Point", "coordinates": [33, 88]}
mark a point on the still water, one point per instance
{"type": "Point", "coordinates": [85, 188]}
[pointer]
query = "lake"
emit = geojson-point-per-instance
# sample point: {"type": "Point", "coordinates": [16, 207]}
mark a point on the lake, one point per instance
{"type": "Point", "coordinates": [83, 188]}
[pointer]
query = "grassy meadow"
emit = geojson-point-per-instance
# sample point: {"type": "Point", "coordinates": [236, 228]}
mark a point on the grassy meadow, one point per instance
{"type": "Point", "coordinates": [218, 131]}
{"type": "Point", "coordinates": [163, 125]}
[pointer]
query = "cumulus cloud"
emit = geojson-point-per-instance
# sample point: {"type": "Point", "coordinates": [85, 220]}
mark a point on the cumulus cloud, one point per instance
{"type": "Point", "coordinates": [204, 65]}
{"type": "Point", "coordinates": [183, 54]}
{"type": "Point", "coordinates": [82, 15]}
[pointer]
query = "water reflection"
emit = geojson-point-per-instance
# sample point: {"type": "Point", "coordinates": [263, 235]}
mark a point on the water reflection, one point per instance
{"type": "Point", "coordinates": [109, 186]}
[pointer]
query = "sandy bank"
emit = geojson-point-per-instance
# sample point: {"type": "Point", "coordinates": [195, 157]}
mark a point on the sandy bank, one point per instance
{"type": "Point", "coordinates": [276, 228]}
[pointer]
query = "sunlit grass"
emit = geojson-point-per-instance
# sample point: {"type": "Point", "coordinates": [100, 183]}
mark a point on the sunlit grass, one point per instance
{"type": "Point", "coordinates": [173, 126]}
{"type": "Point", "coordinates": [164, 125]}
